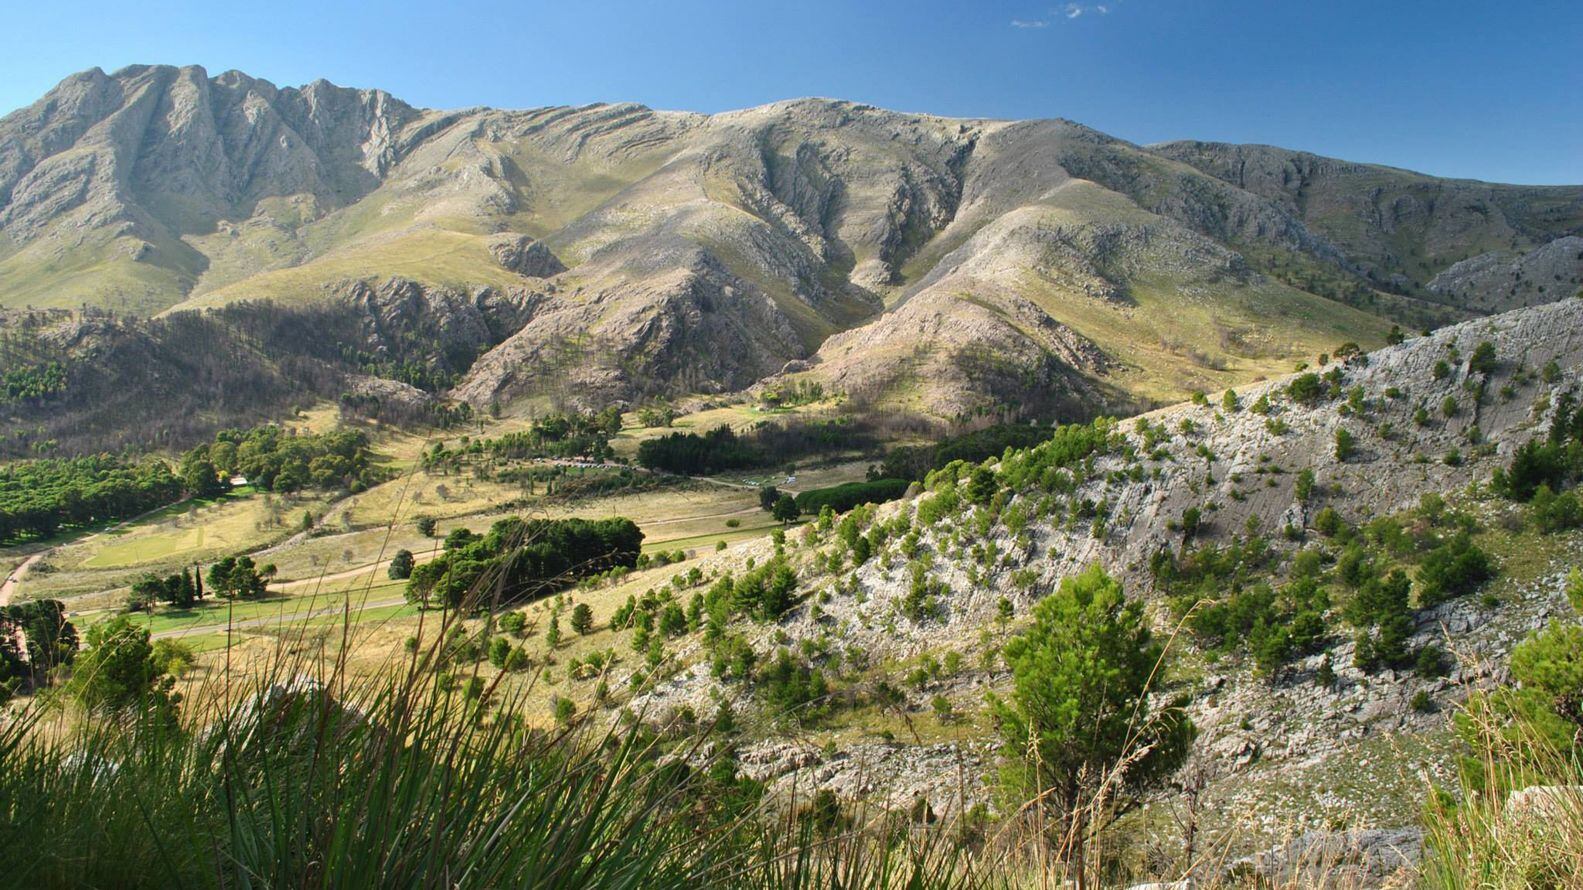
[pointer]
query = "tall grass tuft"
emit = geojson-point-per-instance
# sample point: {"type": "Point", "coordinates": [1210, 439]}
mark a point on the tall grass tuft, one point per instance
{"type": "Point", "coordinates": [1517, 821]}
{"type": "Point", "coordinates": [305, 776]}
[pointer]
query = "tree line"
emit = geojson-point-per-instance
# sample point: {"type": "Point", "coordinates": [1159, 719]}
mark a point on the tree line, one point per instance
{"type": "Point", "coordinates": [234, 577]}
{"type": "Point", "coordinates": [847, 495]}
{"type": "Point", "coordinates": [520, 559]}
{"type": "Point", "coordinates": [274, 459]}
{"type": "Point", "coordinates": [766, 444]}
{"type": "Point", "coordinates": [558, 435]}
{"type": "Point", "coordinates": [914, 462]}
{"type": "Point", "coordinates": [40, 497]}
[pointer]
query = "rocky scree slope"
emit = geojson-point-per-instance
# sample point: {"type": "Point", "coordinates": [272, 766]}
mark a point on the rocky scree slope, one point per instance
{"type": "Point", "coordinates": [1287, 754]}
{"type": "Point", "coordinates": [1502, 279]}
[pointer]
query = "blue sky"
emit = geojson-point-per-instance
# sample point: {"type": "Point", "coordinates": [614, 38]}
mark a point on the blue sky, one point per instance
{"type": "Point", "coordinates": [1484, 90]}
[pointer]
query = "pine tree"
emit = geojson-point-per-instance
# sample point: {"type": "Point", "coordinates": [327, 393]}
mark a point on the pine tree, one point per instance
{"type": "Point", "coordinates": [1079, 721]}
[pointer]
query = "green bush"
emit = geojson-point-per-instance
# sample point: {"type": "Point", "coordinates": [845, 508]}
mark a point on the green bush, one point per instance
{"type": "Point", "coordinates": [1553, 512]}
{"type": "Point", "coordinates": [1304, 487]}
{"type": "Point", "coordinates": [1307, 389]}
{"type": "Point", "coordinates": [792, 688]}
{"type": "Point", "coordinates": [1381, 611]}
{"type": "Point", "coordinates": [1328, 522]}
{"type": "Point", "coordinates": [1453, 569]}
{"type": "Point", "coordinates": [401, 565]}
{"type": "Point", "coordinates": [1080, 721]}
{"type": "Point", "coordinates": [1483, 360]}
{"type": "Point", "coordinates": [1346, 444]}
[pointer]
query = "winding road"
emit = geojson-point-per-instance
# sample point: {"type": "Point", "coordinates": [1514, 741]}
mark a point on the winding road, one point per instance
{"type": "Point", "coordinates": [9, 587]}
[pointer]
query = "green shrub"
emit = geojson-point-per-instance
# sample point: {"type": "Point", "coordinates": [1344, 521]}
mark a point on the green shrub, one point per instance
{"type": "Point", "coordinates": [1453, 569]}
{"type": "Point", "coordinates": [1553, 512]}
{"type": "Point", "coordinates": [1346, 444]}
{"type": "Point", "coordinates": [1307, 389]}
{"type": "Point", "coordinates": [401, 565]}
{"type": "Point", "coordinates": [1304, 486]}
{"type": "Point", "coordinates": [1431, 662]}
{"type": "Point", "coordinates": [1483, 360]}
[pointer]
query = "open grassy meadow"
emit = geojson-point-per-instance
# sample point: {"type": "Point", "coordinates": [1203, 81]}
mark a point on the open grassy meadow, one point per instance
{"type": "Point", "coordinates": [340, 566]}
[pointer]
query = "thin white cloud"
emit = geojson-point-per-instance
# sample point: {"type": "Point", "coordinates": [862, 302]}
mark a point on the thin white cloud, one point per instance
{"type": "Point", "coordinates": [1073, 10]}
{"type": "Point", "coordinates": [1069, 11]}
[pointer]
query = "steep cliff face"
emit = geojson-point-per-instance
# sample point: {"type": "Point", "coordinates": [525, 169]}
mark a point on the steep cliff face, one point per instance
{"type": "Point", "coordinates": [940, 265]}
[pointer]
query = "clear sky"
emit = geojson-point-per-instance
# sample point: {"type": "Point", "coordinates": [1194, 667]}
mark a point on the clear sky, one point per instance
{"type": "Point", "coordinates": [1489, 90]}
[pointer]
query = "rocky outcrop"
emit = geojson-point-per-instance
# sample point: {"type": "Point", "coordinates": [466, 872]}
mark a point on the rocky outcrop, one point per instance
{"type": "Point", "coordinates": [940, 781]}
{"type": "Point", "coordinates": [402, 399]}
{"type": "Point", "coordinates": [167, 150]}
{"type": "Point", "coordinates": [692, 328]}
{"type": "Point", "coordinates": [1363, 859]}
{"type": "Point", "coordinates": [405, 320]}
{"type": "Point", "coordinates": [1289, 755]}
{"type": "Point", "coordinates": [1501, 279]}
{"type": "Point", "coordinates": [1399, 227]}
{"type": "Point", "coordinates": [524, 255]}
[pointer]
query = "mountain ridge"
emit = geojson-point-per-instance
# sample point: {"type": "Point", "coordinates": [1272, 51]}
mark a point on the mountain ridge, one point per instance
{"type": "Point", "coordinates": [1025, 263]}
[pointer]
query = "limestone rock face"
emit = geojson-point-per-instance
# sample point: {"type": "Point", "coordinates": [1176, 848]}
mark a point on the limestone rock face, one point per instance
{"type": "Point", "coordinates": [458, 325]}
{"type": "Point", "coordinates": [171, 148]}
{"type": "Point", "coordinates": [1279, 748]}
{"type": "Point", "coordinates": [692, 328]}
{"type": "Point", "coordinates": [1370, 212]}
{"type": "Point", "coordinates": [1502, 279]}
{"type": "Point", "coordinates": [1361, 858]}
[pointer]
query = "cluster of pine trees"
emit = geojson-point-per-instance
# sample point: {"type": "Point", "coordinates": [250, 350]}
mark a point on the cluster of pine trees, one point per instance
{"type": "Point", "coordinates": [559, 435]}
{"type": "Point", "coordinates": [275, 459]}
{"type": "Point", "coordinates": [520, 559]}
{"type": "Point", "coordinates": [40, 497]}
{"type": "Point", "coordinates": [50, 642]}
{"type": "Point", "coordinates": [234, 577]}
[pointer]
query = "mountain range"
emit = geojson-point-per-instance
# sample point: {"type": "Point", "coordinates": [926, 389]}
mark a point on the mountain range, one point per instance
{"type": "Point", "coordinates": [943, 267]}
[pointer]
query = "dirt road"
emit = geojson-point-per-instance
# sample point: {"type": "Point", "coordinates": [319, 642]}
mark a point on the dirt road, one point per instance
{"type": "Point", "coordinates": [15, 578]}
